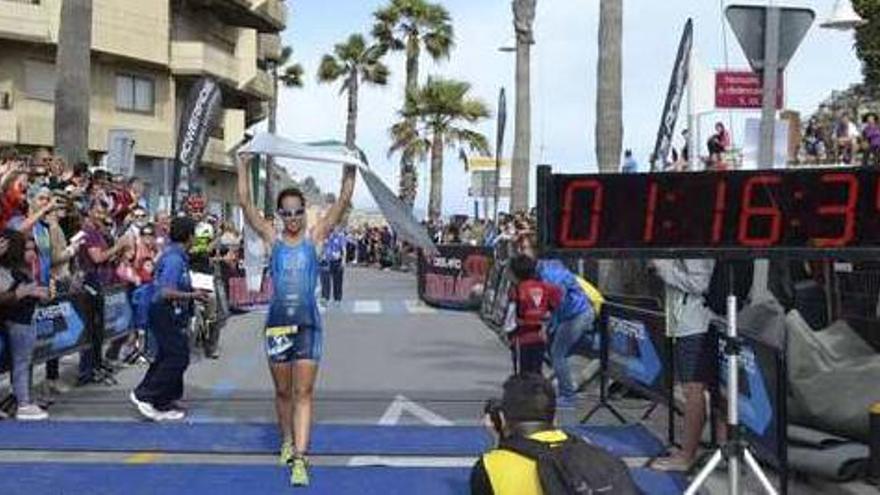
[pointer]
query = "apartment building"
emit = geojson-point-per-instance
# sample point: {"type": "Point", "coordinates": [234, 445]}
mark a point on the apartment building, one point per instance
{"type": "Point", "coordinates": [146, 55]}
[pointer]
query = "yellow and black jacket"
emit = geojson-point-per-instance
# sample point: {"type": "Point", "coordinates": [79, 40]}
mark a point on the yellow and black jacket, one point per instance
{"type": "Point", "coordinates": [502, 472]}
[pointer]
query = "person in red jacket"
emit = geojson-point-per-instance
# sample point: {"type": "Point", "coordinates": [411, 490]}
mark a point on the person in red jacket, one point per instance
{"type": "Point", "coordinates": [531, 304]}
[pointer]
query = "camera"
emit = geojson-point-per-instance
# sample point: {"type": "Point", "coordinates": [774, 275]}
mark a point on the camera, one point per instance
{"type": "Point", "coordinates": [493, 409]}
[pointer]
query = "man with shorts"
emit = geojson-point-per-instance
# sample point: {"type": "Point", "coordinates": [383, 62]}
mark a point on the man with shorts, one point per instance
{"type": "Point", "coordinates": [687, 283]}
{"type": "Point", "coordinates": [293, 333]}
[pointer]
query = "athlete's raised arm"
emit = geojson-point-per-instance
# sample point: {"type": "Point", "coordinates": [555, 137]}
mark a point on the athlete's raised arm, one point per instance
{"type": "Point", "coordinates": [263, 227]}
{"type": "Point", "coordinates": [334, 215]}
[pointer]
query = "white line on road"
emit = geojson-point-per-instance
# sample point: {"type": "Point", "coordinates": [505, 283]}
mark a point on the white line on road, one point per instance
{"type": "Point", "coordinates": [401, 404]}
{"type": "Point", "coordinates": [416, 307]}
{"type": "Point", "coordinates": [412, 462]}
{"type": "Point", "coordinates": [369, 307]}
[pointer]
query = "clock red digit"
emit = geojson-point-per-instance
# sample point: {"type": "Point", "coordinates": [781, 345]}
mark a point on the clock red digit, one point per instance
{"type": "Point", "coordinates": [571, 189]}
{"type": "Point", "coordinates": [653, 192]}
{"type": "Point", "coordinates": [750, 212]}
{"type": "Point", "coordinates": [847, 210]}
{"type": "Point", "coordinates": [720, 207]}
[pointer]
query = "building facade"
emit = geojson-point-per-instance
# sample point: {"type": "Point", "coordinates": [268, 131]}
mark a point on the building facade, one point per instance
{"type": "Point", "coordinates": [146, 55]}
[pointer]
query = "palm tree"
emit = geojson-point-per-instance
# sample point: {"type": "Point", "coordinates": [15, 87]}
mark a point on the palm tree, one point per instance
{"type": "Point", "coordinates": [523, 21]}
{"type": "Point", "coordinates": [410, 25]}
{"type": "Point", "coordinates": [290, 75]}
{"type": "Point", "coordinates": [432, 118]}
{"type": "Point", "coordinates": [72, 90]}
{"type": "Point", "coordinates": [357, 62]}
{"type": "Point", "coordinates": [609, 99]}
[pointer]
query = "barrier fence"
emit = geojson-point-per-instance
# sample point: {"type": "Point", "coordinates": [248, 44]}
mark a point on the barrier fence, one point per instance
{"type": "Point", "coordinates": [77, 321]}
{"type": "Point", "coordinates": [456, 278]}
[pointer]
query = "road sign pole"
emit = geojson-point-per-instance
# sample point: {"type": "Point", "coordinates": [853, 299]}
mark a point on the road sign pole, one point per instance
{"type": "Point", "coordinates": [771, 81]}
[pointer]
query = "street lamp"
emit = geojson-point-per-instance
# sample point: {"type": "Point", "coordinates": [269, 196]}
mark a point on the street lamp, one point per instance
{"type": "Point", "coordinates": [844, 17]}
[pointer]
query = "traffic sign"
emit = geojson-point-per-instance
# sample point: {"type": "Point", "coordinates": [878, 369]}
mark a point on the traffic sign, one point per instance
{"type": "Point", "coordinates": [749, 23]}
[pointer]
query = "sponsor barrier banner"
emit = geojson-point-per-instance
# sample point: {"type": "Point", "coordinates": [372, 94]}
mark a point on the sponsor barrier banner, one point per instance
{"type": "Point", "coordinates": [63, 326]}
{"type": "Point", "coordinates": [455, 278]}
{"type": "Point", "coordinates": [241, 298]}
{"type": "Point", "coordinates": [638, 353]}
{"type": "Point", "coordinates": [116, 311]}
{"type": "Point", "coordinates": [762, 396]}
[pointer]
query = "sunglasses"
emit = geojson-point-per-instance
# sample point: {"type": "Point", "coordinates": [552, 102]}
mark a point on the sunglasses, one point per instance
{"type": "Point", "coordinates": [283, 213]}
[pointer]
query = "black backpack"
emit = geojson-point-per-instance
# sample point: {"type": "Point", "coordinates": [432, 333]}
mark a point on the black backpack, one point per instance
{"type": "Point", "coordinates": [574, 467]}
{"type": "Point", "coordinates": [720, 286]}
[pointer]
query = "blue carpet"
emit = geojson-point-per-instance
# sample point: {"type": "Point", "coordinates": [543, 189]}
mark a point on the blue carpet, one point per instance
{"type": "Point", "coordinates": [201, 479]}
{"type": "Point", "coordinates": [623, 441]}
{"type": "Point", "coordinates": [238, 438]}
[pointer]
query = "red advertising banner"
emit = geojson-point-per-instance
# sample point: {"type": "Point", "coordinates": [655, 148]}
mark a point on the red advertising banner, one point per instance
{"type": "Point", "coordinates": [742, 89]}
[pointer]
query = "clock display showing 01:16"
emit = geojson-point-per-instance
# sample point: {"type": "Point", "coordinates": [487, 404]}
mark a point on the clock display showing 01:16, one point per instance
{"type": "Point", "coordinates": [811, 208]}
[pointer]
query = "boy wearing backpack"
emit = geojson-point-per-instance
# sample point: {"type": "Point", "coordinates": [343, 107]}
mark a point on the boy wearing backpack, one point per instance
{"type": "Point", "coordinates": [534, 457]}
{"type": "Point", "coordinates": [532, 303]}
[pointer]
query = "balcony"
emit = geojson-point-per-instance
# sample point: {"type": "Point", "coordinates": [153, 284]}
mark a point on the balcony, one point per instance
{"type": "Point", "coordinates": [266, 16]}
{"type": "Point", "coordinates": [200, 58]}
{"type": "Point", "coordinates": [273, 13]}
{"type": "Point", "coordinates": [216, 156]}
{"type": "Point", "coordinates": [8, 127]}
{"type": "Point", "coordinates": [25, 21]}
{"type": "Point", "coordinates": [269, 47]}
{"type": "Point", "coordinates": [259, 86]}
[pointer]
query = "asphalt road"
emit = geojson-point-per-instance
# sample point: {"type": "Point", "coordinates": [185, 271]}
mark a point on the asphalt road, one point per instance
{"type": "Point", "coordinates": [388, 359]}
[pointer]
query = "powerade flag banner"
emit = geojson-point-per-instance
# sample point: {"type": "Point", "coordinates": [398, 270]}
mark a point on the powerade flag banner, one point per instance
{"type": "Point", "coordinates": [454, 279]}
{"type": "Point", "coordinates": [677, 85]}
{"type": "Point", "coordinates": [200, 115]}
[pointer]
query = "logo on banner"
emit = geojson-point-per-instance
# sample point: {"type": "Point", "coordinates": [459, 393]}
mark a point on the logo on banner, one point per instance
{"type": "Point", "coordinates": [117, 312]}
{"type": "Point", "coordinates": [755, 410]}
{"type": "Point", "coordinates": [631, 347]}
{"type": "Point", "coordinates": [58, 324]}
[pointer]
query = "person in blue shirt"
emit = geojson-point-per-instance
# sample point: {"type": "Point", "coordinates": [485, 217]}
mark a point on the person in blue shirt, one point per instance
{"type": "Point", "coordinates": [169, 314]}
{"type": "Point", "coordinates": [571, 326]}
{"type": "Point", "coordinates": [332, 266]}
{"type": "Point", "coordinates": [630, 165]}
{"type": "Point", "coordinates": [293, 332]}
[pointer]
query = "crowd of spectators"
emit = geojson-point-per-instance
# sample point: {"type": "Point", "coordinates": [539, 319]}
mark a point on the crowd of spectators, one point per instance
{"type": "Point", "coordinates": [79, 229]}
{"type": "Point", "coordinates": [843, 141]}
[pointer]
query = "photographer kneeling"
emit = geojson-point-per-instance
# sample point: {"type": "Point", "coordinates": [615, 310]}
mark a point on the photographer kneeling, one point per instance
{"type": "Point", "coordinates": [534, 457]}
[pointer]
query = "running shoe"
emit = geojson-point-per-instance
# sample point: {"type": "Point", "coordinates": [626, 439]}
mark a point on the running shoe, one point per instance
{"type": "Point", "coordinates": [299, 473]}
{"type": "Point", "coordinates": [286, 457]}
{"type": "Point", "coordinates": [31, 412]}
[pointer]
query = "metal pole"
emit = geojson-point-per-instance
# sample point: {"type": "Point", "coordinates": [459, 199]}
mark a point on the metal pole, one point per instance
{"type": "Point", "coordinates": [732, 394]}
{"type": "Point", "coordinates": [692, 109]}
{"type": "Point", "coordinates": [760, 291]}
{"type": "Point", "coordinates": [771, 82]}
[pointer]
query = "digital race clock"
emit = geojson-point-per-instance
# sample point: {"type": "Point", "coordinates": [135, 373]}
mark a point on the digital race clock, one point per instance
{"type": "Point", "coordinates": [807, 213]}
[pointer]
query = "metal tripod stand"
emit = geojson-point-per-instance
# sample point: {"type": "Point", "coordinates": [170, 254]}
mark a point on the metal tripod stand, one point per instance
{"type": "Point", "coordinates": [735, 450]}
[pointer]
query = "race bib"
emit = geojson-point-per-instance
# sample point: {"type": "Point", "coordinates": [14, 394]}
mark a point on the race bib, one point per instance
{"type": "Point", "coordinates": [280, 339]}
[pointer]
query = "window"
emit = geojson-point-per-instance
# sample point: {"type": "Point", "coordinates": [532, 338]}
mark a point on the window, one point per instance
{"type": "Point", "coordinates": [39, 80]}
{"type": "Point", "coordinates": [135, 94]}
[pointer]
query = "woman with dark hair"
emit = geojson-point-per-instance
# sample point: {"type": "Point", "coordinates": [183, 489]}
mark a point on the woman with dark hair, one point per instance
{"type": "Point", "coordinates": [17, 317]}
{"type": "Point", "coordinates": [293, 331]}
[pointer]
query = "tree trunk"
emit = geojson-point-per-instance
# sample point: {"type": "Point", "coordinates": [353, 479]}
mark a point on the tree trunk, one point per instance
{"type": "Point", "coordinates": [609, 98]}
{"type": "Point", "coordinates": [351, 126]}
{"type": "Point", "coordinates": [609, 122]}
{"type": "Point", "coordinates": [408, 176]}
{"type": "Point", "coordinates": [73, 86]}
{"type": "Point", "coordinates": [435, 208]}
{"type": "Point", "coordinates": [273, 127]}
{"type": "Point", "coordinates": [524, 16]}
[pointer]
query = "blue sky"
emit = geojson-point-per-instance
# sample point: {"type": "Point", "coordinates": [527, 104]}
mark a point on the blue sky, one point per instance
{"type": "Point", "coordinates": [563, 77]}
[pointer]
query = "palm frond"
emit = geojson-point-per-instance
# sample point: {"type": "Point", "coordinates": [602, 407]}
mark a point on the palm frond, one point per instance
{"type": "Point", "coordinates": [330, 69]}
{"type": "Point", "coordinates": [293, 76]}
